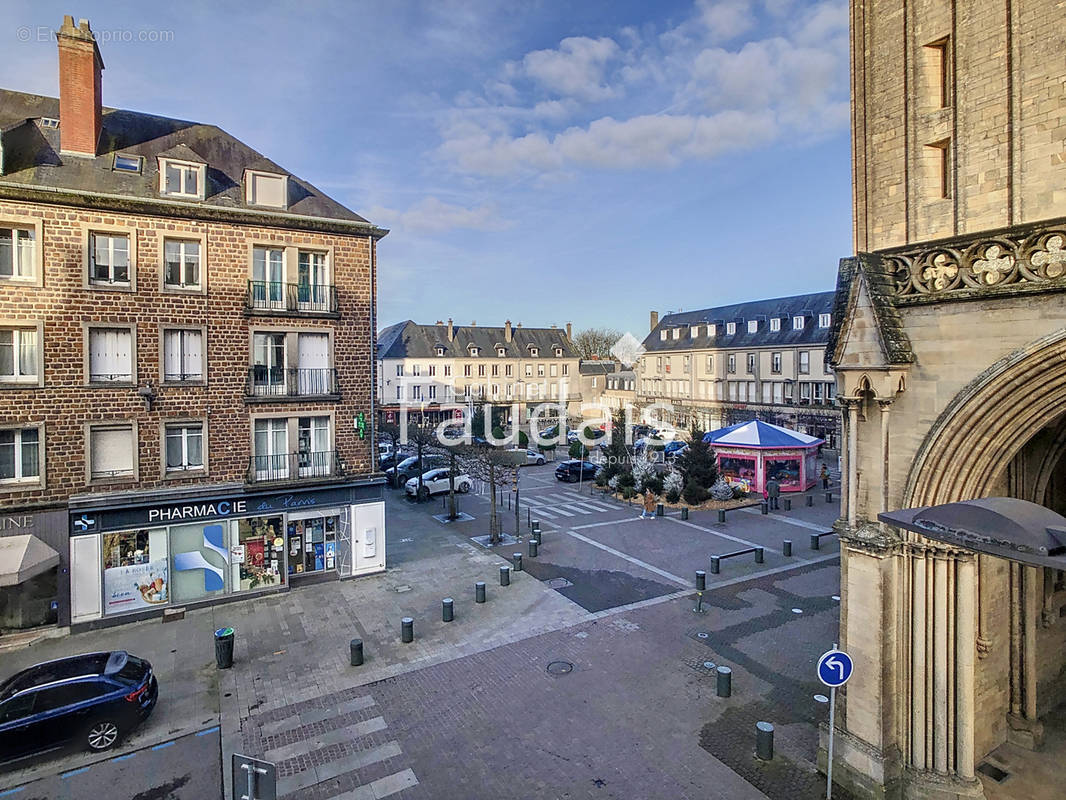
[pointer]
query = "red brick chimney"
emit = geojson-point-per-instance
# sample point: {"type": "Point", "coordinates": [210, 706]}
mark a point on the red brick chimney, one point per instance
{"type": "Point", "coordinates": [80, 66]}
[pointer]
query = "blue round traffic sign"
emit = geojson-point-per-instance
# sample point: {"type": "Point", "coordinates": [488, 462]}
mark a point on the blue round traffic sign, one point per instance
{"type": "Point", "coordinates": [834, 668]}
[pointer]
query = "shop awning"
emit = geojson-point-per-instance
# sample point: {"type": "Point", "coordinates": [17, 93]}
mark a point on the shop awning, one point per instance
{"type": "Point", "coordinates": [23, 557]}
{"type": "Point", "coordinates": [998, 526]}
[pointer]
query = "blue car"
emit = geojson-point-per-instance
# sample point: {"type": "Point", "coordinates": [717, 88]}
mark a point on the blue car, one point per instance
{"type": "Point", "coordinates": [91, 701]}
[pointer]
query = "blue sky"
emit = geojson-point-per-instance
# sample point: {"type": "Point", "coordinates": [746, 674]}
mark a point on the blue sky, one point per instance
{"type": "Point", "coordinates": [542, 162]}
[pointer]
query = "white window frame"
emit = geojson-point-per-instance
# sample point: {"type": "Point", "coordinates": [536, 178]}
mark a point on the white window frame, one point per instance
{"type": "Point", "coordinates": [91, 282]}
{"type": "Point", "coordinates": [118, 424]}
{"type": "Point", "coordinates": [804, 363]}
{"type": "Point", "coordinates": [170, 329]}
{"type": "Point", "coordinates": [798, 322]}
{"type": "Point", "coordinates": [534, 352]}
{"type": "Point", "coordinates": [18, 330]}
{"type": "Point", "coordinates": [775, 324]}
{"type": "Point", "coordinates": [662, 335]}
{"type": "Point", "coordinates": [166, 426]}
{"type": "Point", "coordinates": [184, 168]}
{"type": "Point", "coordinates": [201, 268]}
{"type": "Point", "coordinates": [20, 481]}
{"type": "Point", "coordinates": [825, 320]}
{"type": "Point", "coordinates": [399, 370]}
{"type": "Point", "coordinates": [87, 330]}
{"type": "Point", "coordinates": [30, 230]}
{"type": "Point", "coordinates": [731, 366]}
{"type": "Point", "coordinates": [753, 326]}
{"type": "Point", "coordinates": [775, 363]}
{"type": "Point", "coordinates": [250, 196]}
{"type": "Point", "coordinates": [730, 328]}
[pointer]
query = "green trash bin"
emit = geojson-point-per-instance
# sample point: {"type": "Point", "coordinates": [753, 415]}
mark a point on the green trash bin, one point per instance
{"type": "Point", "coordinates": [224, 648]}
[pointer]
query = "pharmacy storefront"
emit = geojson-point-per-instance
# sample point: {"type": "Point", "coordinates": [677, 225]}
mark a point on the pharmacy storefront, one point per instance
{"type": "Point", "coordinates": [140, 558]}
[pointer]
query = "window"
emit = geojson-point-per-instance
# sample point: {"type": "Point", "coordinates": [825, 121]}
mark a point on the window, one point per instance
{"type": "Point", "coordinates": [467, 372]}
{"type": "Point", "coordinates": [112, 452]}
{"type": "Point", "coordinates": [432, 370]}
{"type": "Point", "coordinates": [753, 326]}
{"type": "Point", "coordinates": [554, 372]}
{"type": "Point", "coordinates": [399, 370]}
{"type": "Point", "coordinates": [432, 391]}
{"type": "Point", "coordinates": [941, 151]}
{"type": "Point", "coordinates": [266, 189]}
{"type": "Point", "coordinates": [751, 363]}
{"type": "Point", "coordinates": [804, 362]}
{"type": "Point", "coordinates": [534, 352]}
{"type": "Point", "coordinates": [677, 333]}
{"type": "Point", "coordinates": [184, 447]}
{"type": "Point", "coordinates": [694, 331]}
{"type": "Point", "coordinates": [824, 320]}
{"type": "Point", "coordinates": [183, 356]}
{"type": "Point", "coordinates": [440, 351]}
{"type": "Point", "coordinates": [501, 352]}
{"type": "Point", "coordinates": [495, 370]}
{"type": "Point", "coordinates": [508, 370]}
{"type": "Point", "coordinates": [181, 179]}
{"type": "Point", "coordinates": [268, 276]}
{"type": "Point", "coordinates": [775, 363]}
{"type": "Point", "coordinates": [540, 370]}
{"type": "Point", "coordinates": [529, 370]}
{"type": "Point", "coordinates": [797, 322]}
{"type": "Point", "coordinates": [18, 253]}
{"type": "Point", "coordinates": [593, 382]}
{"type": "Point", "coordinates": [416, 370]}
{"type": "Point", "coordinates": [710, 363]}
{"type": "Point", "coordinates": [662, 335]}
{"type": "Point", "coordinates": [775, 324]}
{"type": "Point", "coordinates": [109, 259]}
{"type": "Point", "coordinates": [712, 330]}
{"type": "Point", "coordinates": [19, 354]}
{"type": "Point", "coordinates": [687, 363]}
{"type": "Point", "coordinates": [181, 264]}
{"type": "Point", "coordinates": [271, 443]}
{"type": "Point", "coordinates": [416, 392]}
{"type": "Point", "coordinates": [20, 455]}
{"type": "Point", "coordinates": [805, 391]}
{"type": "Point", "coordinates": [111, 355]}
{"type": "Point", "coordinates": [566, 370]}
{"type": "Point", "coordinates": [447, 370]}
{"type": "Point", "coordinates": [125, 163]}
{"type": "Point", "coordinates": [399, 392]}
{"type": "Point", "coordinates": [475, 352]}
{"type": "Point", "coordinates": [558, 352]}
{"type": "Point", "coordinates": [938, 59]}
{"type": "Point", "coordinates": [730, 328]}
{"type": "Point", "coordinates": [481, 370]}
{"type": "Point", "coordinates": [732, 366]}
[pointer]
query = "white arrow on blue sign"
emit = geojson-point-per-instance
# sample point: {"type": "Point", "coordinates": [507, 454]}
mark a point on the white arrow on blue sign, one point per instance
{"type": "Point", "coordinates": [834, 668]}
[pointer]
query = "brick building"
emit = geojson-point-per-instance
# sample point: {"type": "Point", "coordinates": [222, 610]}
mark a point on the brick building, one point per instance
{"type": "Point", "coordinates": [186, 353]}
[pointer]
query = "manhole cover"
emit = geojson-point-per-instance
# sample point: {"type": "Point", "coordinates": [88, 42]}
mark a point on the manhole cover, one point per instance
{"type": "Point", "coordinates": [557, 583]}
{"type": "Point", "coordinates": [703, 635]}
{"type": "Point", "coordinates": [560, 667]}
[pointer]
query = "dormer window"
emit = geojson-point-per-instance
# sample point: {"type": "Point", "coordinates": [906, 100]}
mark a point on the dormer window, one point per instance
{"type": "Point", "coordinates": [775, 324]}
{"type": "Point", "coordinates": [797, 322]}
{"type": "Point", "coordinates": [558, 352]}
{"type": "Point", "coordinates": [824, 320]}
{"type": "Point", "coordinates": [694, 331]}
{"type": "Point", "coordinates": [474, 351]}
{"type": "Point", "coordinates": [534, 352]}
{"type": "Point", "coordinates": [501, 352]}
{"type": "Point", "coordinates": [662, 335]}
{"type": "Point", "coordinates": [712, 330]}
{"type": "Point", "coordinates": [730, 328]}
{"type": "Point", "coordinates": [677, 333]}
{"type": "Point", "coordinates": [181, 178]}
{"type": "Point", "coordinates": [440, 351]}
{"type": "Point", "coordinates": [753, 326]}
{"type": "Point", "coordinates": [266, 189]}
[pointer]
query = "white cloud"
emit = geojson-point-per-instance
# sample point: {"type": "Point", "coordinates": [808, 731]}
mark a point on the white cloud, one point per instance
{"type": "Point", "coordinates": [726, 19]}
{"type": "Point", "coordinates": [432, 215]}
{"type": "Point", "coordinates": [575, 69]}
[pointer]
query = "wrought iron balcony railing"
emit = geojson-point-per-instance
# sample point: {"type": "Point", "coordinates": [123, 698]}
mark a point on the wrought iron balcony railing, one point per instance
{"type": "Point", "coordinates": [305, 298]}
{"type": "Point", "coordinates": [277, 382]}
{"type": "Point", "coordinates": [306, 465]}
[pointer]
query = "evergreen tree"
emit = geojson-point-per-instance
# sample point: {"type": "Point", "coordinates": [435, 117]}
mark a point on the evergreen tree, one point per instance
{"type": "Point", "coordinates": [697, 464]}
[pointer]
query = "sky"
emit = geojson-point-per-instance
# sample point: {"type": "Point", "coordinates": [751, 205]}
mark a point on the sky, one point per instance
{"type": "Point", "coordinates": [543, 162]}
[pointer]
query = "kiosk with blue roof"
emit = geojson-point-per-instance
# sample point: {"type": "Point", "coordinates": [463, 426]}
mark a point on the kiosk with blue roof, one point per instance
{"type": "Point", "coordinates": [750, 453]}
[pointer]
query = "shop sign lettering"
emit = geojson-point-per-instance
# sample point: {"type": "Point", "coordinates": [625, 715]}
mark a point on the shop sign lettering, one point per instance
{"type": "Point", "coordinates": [199, 511]}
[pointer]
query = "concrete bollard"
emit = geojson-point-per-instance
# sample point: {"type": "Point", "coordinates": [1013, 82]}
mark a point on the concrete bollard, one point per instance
{"type": "Point", "coordinates": [701, 580]}
{"type": "Point", "coordinates": [758, 555]}
{"type": "Point", "coordinates": [788, 503]}
{"type": "Point", "coordinates": [829, 497]}
{"type": "Point", "coordinates": [447, 609]}
{"type": "Point", "coordinates": [725, 682]}
{"type": "Point", "coordinates": [764, 508]}
{"type": "Point", "coordinates": [786, 548]}
{"type": "Point", "coordinates": [815, 541]}
{"type": "Point", "coordinates": [684, 513]}
{"type": "Point", "coordinates": [764, 741]}
{"type": "Point", "coordinates": [479, 592]}
{"type": "Point", "coordinates": [407, 630]}
{"type": "Point", "coordinates": [536, 536]}
{"type": "Point", "coordinates": [721, 515]}
{"type": "Point", "coordinates": [534, 526]}
{"type": "Point", "coordinates": [532, 548]}
{"type": "Point", "coordinates": [356, 648]}
{"type": "Point", "coordinates": [716, 563]}
{"type": "Point", "coordinates": [659, 510]}
{"type": "Point", "coordinates": [516, 561]}
{"type": "Point", "coordinates": [505, 576]}
{"type": "Point", "coordinates": [810, 500]}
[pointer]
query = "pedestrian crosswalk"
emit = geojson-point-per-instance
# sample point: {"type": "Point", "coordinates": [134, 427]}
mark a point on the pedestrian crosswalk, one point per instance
{"type": "Point", "coordinates": [335, 748]}
{"type": "Point", "coordinates": [561, 505]}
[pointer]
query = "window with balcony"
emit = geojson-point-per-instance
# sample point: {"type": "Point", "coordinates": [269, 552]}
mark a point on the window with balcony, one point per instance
{"type": "Point", "coordinates": [20, 455]}
{"type": "Point", "coordinates": [267, 290]}
{"type": "Point", "coordinates": [270, 460]}
{"type": "Point", "coordinates": [183, 356]}
{"type": "Point", "coordinates": [314, 374]}
{"type": "Point", "coordinates": [181, 264]}
{"type": "Point", "coordinates": [18, 253]}
{"type": "Point", "coordinates": [314, 292]}
{"type": "Point", "coordinates": [112, 452]}
{"type": "Point", "coordinates": [268, 364]}
{"type": "Point", "coordinates": [19, 356]}
{"type": "Point", "coordinates": [109, 260]}
{"type": "Point", "coordinates": [184, 447]}
{"type": "Point", "coordinates": [111, 357]}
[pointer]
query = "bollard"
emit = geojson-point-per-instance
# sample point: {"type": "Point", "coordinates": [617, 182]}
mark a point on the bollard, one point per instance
{"type": "Point", "coordinates": [701, 580]}
{"type": "Point", "coordinates": [829, 497]}
{"type": "Point", "coordinates": [356, 648]}
{"type": "Point", "coordinates": [810, 500]}
{"type": "Point", "coordinates": [535, 536]}
{"type": "Point", "coordinates": [721, 515]}
{"type": "Point", "coordinates": [764, 741]}
{"type": "Point", "coordinates": [659, 510]}
{"type": "Point", "coordinates": [684, 513]}
{"type": "Point", "coordinates": [786, 547]}
{"type": "Point", "coordinates": [788, 503]}
{"type": "Point", "coordinates": [505, 576]}
{"type": "Point", "coordinates": [535, 526]}
{"type": "Point", "coordinates": [715, 564]}
{"type": "Point", "coordinates": [447, 610]}
{"type": "Point", "coordinates": [479, 592]}
{"type": "Point", "coordinates": [533, 548]}
{"type": "Point", "coordinates": [516, 561]}
{"type": "Point", "coordinates": [758, 555]}
{"type": "Point", "coordinates": [764, 508]}
{"type": "Point", "coordinates": [815, 541]}
{"type": "Point", "coordinates": [725, 681]}
{"type": "Point", "coordinates": [407, 630]}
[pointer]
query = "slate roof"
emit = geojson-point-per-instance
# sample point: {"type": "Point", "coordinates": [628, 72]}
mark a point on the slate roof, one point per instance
{"type": "Point", "coordinates": [810, 305]}
{"type": "Point", "coordinates": [881, 286]}
{"type": "Point", "coordinates": [597, 366]}
{"type": "Point", "coordinates": [30, 159]}
{"type": "Point", "coordinates": [758, 434]}
{"type": "Point", "coordinates": [411, 340]}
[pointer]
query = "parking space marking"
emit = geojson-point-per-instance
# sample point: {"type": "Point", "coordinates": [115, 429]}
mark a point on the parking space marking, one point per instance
{"type": "Point", "coordinates": [73, 772]}
{"type": "Point", "coordinates": [736, 539]}
{"type": "Point", "coordinates": [631, 559]}
{"type": "Point", "coordinates": [165, 744]}
{"type": "Point", "coordinates": [797, 522]}
{"type": "Point", "coordinates": [126, 757]}
{"type": "Point", "coordinates": [608, 522]}
{"type": "Point", "coordinates": [206, 731]}
{"type": "Point", "coordinates": [9, 792]}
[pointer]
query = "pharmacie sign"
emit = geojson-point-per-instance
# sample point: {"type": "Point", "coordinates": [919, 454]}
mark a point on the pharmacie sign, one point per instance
{"type": "Point", "coordinates": [122, 518]}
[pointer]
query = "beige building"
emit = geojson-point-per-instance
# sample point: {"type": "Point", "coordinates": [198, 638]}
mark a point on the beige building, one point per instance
{"type": "Point", "coordinates": [447, 369]}
{"type": "Point", "coordinates": [949, 347]}
{"type": "Point", "coordinates": [763, 359]}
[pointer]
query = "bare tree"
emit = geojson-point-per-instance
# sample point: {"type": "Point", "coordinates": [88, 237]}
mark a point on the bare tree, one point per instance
{"type": "Point", "coordinates": [390, 432]}
{"type": "Point", "coordinates": [496, 467]}
{"type": "Point", "coordinates": [422, 438]}
{"type": "Point", "coordinates": [595, 342]}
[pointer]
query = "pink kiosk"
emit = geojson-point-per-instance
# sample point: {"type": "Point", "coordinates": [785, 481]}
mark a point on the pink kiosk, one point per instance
{"type": "Point", "coordinates": [751, 453]}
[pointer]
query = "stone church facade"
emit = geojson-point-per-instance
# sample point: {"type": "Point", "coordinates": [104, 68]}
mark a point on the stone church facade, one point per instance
{"type": "Point", "coordinates": [949, 347]}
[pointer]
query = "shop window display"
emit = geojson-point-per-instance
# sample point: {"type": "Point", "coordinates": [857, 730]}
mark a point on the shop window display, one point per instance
{"type": "Point", "coordinates": [259, 554]}
{"type": "Point", "coordinates": [200, 560]}
{"type": "Point", "coordinates": [135, 570]}
{"type": "Point", "coordinates": [738, 470]}
{"type": "Point", "coordinates": [786, 471]}
{"type": "Point", "coordinates": [312, 544]}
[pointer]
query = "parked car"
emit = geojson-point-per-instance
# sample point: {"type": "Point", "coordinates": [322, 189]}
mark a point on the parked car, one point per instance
{"type": "Point", "coordinates": [402, 472]}
{"type": "Point", "coordinates": [572, 471]}
{"type": "Point", "coordinates": [387, 461]}
{"type": "Point", "coordinates": [435, 482]}
{"type": "Point", "coordinates": [532, 456]}
{"type": "Point", "coordinates": [91, 700]}
{"type": "Point", "coordinates": [674, 449]}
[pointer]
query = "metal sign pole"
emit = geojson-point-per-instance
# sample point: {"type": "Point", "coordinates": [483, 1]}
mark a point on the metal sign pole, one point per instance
{"type": "Point", "coordinates": [829, 763]}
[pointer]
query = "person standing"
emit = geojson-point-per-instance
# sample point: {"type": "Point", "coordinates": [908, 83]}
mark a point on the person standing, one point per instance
{"type": "Point", "coordinates": [825, 477]}
{"type": "Point", "coordinates": [649, 505]}
{"type": "Point", "coordinates": [773, 491]}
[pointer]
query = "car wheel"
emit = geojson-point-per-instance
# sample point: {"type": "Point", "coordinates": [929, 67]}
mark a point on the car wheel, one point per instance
{"type": "Point", "coordinates": [464, 487]}
{"type": "Point", "coordinates": [423, 493]}
{"type": "Point", "coordinates": [102, 734]}
{"type": "Point", "coordinates": [540, 462]}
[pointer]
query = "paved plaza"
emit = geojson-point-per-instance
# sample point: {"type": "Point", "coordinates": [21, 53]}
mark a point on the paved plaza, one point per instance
{"type": "Point", "coordinates": [590, 675]}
